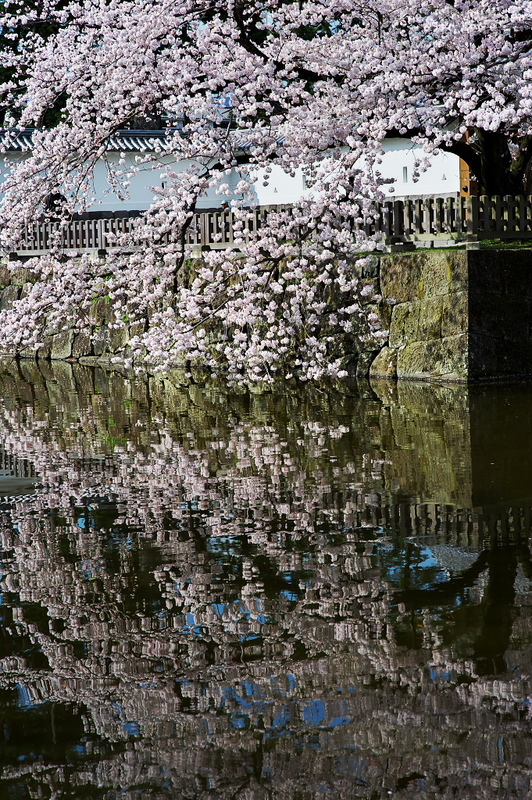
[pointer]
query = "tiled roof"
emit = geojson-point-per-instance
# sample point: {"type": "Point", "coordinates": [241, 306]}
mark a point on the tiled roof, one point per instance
{"type": "Point", "coordinates": [121, 141]}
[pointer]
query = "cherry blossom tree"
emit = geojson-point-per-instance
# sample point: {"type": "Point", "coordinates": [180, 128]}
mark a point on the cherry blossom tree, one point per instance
{"type": "Point", "coordinates": [313, 85]}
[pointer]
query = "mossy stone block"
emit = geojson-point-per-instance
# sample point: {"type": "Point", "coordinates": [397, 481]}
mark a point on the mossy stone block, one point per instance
{"type": "Point", "coordinates": [455, 314]}
{"type": "Point", "coordinates": [430, 318]}
{"type": "Point", "coordinates": [385, 364]}
{"type": "Point", "coordinates": [62, 345]}
{"type": "Point", "coordinates": [400, 276]}
{"type": "Point", "coordinates": [404, 324]}
{"type": "Point", "coordinates": [439, 358]}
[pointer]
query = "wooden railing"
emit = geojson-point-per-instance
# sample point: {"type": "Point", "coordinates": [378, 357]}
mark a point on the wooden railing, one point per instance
{"type": "Point", "coordinates": [213, 229]}
{"type": "Point", "coordinates": [459, 218]}
{"type": "Point", "coordinates": [432, 219]}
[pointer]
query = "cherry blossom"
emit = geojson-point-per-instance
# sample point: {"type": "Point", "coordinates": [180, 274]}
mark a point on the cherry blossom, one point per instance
{"type": "Point", "coordinates": [242, 87]}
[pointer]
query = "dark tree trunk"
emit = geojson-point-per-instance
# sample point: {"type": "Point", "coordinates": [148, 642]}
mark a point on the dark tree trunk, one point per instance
{"type": "Point", "coordinates": [499, 173]}
{"type": "Point", "coordinates": [498, 170]}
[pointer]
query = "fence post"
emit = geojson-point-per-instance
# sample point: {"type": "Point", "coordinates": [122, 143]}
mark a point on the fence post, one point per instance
{"type": "Point", "coordinates": [407, 217]}
{"type": "Point", "coordinates": [450, 215]}
{"type": "Point", "coordinates": [471, 215]}
{"type": "Point", "coordinates": [428, 215]}
{"type": "Point", "coordinates": [417, 216]}
{"type": "Point", "coordinates": [439, 216]}
{"type": "Point", "coordinates": [509, 213]}
{"type": "Point", "coordinates": [459, 215]}
{"type": "Point", "coordinates": [398, 221]}
{"type": "Point", "coordinates": [101, 239]}
{"type": "Point", "coordinates": [387, 218]}
{"type": "Point", "coordinates": [497, 213]}
{"type": "Point", "coordinates": [521, 213]}
{"type": "Point", "coordinates": [484, 214]}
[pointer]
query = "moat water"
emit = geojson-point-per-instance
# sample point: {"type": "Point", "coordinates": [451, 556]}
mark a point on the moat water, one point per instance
{"type": "Point", "coordinates": [318, 592]}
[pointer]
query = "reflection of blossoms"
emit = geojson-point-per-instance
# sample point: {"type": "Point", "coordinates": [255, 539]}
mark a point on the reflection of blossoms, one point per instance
{"type": "Point", "coordinates": [204, 582]}
{"type": "Point", "coordinates": [243, 467]}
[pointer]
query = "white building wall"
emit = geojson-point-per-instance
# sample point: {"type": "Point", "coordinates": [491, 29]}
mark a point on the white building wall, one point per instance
{"type": "Point", "coordinates": [398, 162]}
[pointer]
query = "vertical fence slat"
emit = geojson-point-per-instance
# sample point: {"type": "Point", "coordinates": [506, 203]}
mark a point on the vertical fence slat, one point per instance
{"type": "Point", "coordinates": [471, 215]}
{"type": "Point", "coordinates": [521, 214]}
{"type": "Point", "coordinates": [417, 221]}
{"type": "Point", "coordinates": [450, 215]}
{"type": "Point", "coordinates": [387, 218]}
{"type": "Point", "coordinates": [460, 215]}
{"type": "Point", "coordinates": [497, 214]}
{"type": "Point", "coordinates": [407, 217]}
{"type": "Point", "coordinates": [427, 215]}
{"type": "Point", "coordinates": [439, 216]}
{"type": "Point", "coordinates": [398, 219]}
{"type": "Point", "coordinates": [508, 213]}
{"type": "Point", "coordinates": [484, 214]}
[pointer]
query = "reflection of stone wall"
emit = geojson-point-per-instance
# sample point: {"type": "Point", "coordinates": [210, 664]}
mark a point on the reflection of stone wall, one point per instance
{"type": "Point", "coordinates": [428, 447]}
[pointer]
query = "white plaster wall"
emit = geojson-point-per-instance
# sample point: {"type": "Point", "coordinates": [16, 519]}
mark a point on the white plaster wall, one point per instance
{"type": "Point", "coordinates": [398, 162]}
{"type": "Point", "coordinates": [139, 194]}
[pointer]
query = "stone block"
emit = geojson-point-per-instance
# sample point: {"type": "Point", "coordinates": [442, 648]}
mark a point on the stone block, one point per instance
{"type": "Point", "coordinates": [8, 297]}
{"type": "Point", "coordinates": [62, 345]}
{"type": "Point", "coordinates": [118, 339]}
{"type": "Point", "coordinates": [100, 341]}
{"type": "Point", "coordinates": [22, 276]}
{"type": "Point", "coordinates": [385, 364]}
{"type": "Point", "coordinates": [98, 311]}
{"type": "Point", "coordinates": [25, 290]}
{"type": "Point", "coordinates": [436, 277]}
{"type": "Point", "coordinates": [400, 276]}
{"type": "Point", "coordinates": [404, 324]}
{"type": "Point", "coordinates": [137, 329]}
{"type": "Point", "coordinates": [455, 314]}
{"type": "Point", "coordinates": [5, 276]}
{"type": "Point", "coordinates": [430, 318]}
{"type": "Point", "coordinates": [82, 345]}
{"type": "Point", "coordinates": [458, 269]}
{"type": "Point", "coordinates": [44, 353]}
{"type": "Point", "coordinates": [445, 359]}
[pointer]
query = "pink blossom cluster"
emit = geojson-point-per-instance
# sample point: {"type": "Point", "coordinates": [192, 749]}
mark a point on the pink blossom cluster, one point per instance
{"type": "Point", "coordinates": [313, 85]}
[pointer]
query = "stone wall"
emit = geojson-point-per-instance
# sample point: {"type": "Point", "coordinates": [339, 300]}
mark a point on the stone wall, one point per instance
{"type": "Point", "coordinates": [453, 316]}
{"type": "Point", "coordinates": [458, 315]}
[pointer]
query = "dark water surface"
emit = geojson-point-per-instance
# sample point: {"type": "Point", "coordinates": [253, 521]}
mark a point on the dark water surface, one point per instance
{"type": "Point", "coordinates": [308, 594]}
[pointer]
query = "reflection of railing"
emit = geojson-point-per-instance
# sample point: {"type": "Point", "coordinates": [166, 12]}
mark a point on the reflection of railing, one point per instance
{"type": "Point", "coordinates": [20, 468]}
{"type": "Point", "coordinates": [464, 527]}
{"type": "Point", "coordinates": [431, 219]}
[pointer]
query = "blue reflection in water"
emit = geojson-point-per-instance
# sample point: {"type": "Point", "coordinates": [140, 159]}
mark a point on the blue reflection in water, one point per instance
{"type": "Point", "coordinates": [24, 698]}
{"type": "Point", "coordinates": [314, 712]}
{"type": "Point", "coordinates": [132, 728]}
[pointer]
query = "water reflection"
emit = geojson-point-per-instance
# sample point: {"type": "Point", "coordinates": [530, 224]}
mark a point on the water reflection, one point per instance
{"type": "Point", "coordinates": [311, 594]}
